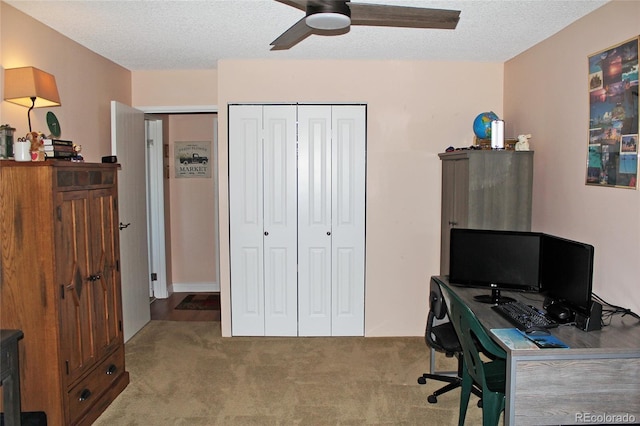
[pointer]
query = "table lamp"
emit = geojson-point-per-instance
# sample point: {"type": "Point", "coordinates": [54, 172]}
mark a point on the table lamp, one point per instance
{"type": "Point", "coordinates": [30, 87]}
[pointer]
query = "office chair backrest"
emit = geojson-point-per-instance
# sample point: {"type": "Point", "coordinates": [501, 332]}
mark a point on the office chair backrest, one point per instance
{"type": "Point", "coordinates": [436, 302]}
{"type": "Point", "coordinates": [472, 336]}
{"type": "Point", "coordinates": [440, 334]}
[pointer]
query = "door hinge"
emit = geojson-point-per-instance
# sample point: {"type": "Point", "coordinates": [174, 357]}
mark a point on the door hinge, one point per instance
{"type": "Point", "coordinates": [120, 325]}
{"type": "Point", "coordinates": [59, 213]}
{"type": "Point", "coordinates": [154, 276]}
{"type": "Point", "coordinates": [67, 366]}
{"type": "Point", "coordinates": [62, 291]}
{"type": "Point", "coordinates": [118, 265]}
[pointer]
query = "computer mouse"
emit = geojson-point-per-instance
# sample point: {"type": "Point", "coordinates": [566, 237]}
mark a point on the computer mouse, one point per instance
{"type": "Point", "coordinates": [537, 331]}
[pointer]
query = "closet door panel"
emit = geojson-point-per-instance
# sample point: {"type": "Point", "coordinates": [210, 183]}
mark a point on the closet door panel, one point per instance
{"type": "Point", "coordinates": [297, 209]}
{"type": "Point", "coordinates": [280, 221]}
{"type": "Point", "coordinates": [246, 220]}
{"type": "Point", "coordinates": [348, 219]}
{"type": "Point", "coordinates": [314, 220]}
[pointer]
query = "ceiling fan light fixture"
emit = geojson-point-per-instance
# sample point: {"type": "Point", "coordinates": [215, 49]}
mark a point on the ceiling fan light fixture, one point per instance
{"type": "Point", "coordinates": [328, 21]}
{"type": "Point", "coordinates": [328, 15]}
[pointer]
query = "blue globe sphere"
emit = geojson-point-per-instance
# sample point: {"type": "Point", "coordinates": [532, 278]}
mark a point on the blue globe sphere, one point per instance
{"type": "Point", "coordinates": [482, 124]}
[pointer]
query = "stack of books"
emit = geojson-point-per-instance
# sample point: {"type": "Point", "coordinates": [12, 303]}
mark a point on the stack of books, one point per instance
{"type": "Point", "coordinates": [57, 148]}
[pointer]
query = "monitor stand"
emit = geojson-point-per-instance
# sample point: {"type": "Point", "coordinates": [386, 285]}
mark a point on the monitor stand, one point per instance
{"type": "Point", "coordinates": [495, 298]}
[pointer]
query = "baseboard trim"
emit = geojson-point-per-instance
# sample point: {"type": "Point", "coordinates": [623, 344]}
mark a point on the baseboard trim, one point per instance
{"type": "Point", "coordinates": [195, 287]}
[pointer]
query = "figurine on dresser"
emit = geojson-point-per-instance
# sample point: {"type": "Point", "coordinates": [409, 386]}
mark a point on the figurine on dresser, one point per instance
{"type": "Point", "coordinates": [523, 143]}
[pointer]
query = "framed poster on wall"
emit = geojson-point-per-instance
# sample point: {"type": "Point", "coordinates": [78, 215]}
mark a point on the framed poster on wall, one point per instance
{"type": "Point", "coordinates": [192, 159]}
{"type": "Point", "coordinates": [613, 116]}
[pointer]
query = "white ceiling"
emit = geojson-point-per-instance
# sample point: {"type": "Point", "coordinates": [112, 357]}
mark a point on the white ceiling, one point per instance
{"type": "Point", "coordinates": [194, 34]}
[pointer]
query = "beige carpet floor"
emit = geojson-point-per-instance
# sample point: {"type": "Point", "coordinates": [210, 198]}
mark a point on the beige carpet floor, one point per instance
{"type": "Point", "coordinates": [185, 373]}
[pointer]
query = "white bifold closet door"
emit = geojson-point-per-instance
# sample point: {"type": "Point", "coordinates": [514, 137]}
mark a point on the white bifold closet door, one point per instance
{"type": "Point", "coordinates": [262, 199]}
{"type": "Point", "coordinates": [297, 221]}
{"type": "Point", "coordinates": [331, 203]}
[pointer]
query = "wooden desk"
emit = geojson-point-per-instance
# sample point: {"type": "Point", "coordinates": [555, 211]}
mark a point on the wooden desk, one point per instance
{"type": "Point", "coordinates": [598, 376]}
{"type": "Point", "coordinates": [10, 375]}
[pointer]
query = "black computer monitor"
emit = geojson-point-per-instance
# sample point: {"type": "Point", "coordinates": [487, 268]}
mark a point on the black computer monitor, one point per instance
{"type": "Point", "coordinates": [567, 272]}
{"type": "Point", "coordinates": [497, 260]}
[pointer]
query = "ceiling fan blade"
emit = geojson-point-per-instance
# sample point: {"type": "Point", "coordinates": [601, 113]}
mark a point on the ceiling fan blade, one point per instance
{"type": "Point", "coordinates": [402, 16]}
{"type": "Point", "coordinates": [298, 4]}
{"type": "Point", "coordinates": [294, 35]}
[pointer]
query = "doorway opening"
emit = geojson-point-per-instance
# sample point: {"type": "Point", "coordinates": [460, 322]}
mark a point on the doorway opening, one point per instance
{"type": "Point", "coordinates": [183, 213]}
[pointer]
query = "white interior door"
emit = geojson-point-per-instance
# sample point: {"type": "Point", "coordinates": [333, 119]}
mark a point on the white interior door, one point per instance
{"type": "Point", "coordinates": [348, 185]}
{"type": "Point", "coordinates": [314, 220]}
{"type": "Point", "coordinates": [128, 144]}
{"type": "Point", "coordinates": [280, 220]}
{"type": "Point", "coordinates": [246, 220]}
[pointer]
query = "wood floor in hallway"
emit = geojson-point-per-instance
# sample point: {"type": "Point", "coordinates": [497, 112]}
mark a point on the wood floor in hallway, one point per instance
{"type": "Point", "coordinates": [164, 309]}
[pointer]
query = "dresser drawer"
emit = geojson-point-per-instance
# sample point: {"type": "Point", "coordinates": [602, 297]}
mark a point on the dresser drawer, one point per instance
{"type": "Point", "coordinates": [82, 396]}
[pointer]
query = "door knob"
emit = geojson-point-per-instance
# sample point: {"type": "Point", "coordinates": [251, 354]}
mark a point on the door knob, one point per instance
{"type": "Point", "coordinates": [266, 233]}
{"type": "Point", "coordinates": [328, 232]}
{"type": "Point", "coordinates": [122, 226]}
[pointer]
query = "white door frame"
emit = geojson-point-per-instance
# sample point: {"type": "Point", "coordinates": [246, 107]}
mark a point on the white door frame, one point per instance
{"type": "Point", "coordinates": [155, 202]}
{"type": "Point", "coordinates": [155, 184]}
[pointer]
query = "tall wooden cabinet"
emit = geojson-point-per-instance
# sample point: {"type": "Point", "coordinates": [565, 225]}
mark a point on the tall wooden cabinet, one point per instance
{"type": "Point", "coordinates": [484, 189]}
{"type": "Point", "coordinates": [60, 285]}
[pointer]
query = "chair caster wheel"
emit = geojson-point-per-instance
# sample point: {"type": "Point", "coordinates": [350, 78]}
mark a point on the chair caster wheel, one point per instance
{"type": "Point", "coordinates": [432, 399]}
{"type": "Point", "coordinates": [422, 380]}
{"type": "Point", "coordinates": [480, 403]}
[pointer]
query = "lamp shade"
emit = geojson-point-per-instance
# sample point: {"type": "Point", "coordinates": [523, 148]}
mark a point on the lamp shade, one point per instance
{"type": "Point", "coordinates": [21, 85]}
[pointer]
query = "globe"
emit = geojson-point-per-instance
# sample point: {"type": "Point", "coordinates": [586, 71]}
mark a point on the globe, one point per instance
{"type": "Point", "coordinates": [482, 124]}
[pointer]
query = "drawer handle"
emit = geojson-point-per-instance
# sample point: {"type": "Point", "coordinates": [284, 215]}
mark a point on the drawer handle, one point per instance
{"type": "Point", "coordinates": [84, 395]}
{"type": "Point", "coordinates": [111, 370]}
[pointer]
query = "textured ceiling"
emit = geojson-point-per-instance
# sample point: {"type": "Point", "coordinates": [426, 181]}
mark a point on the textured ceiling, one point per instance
{"type": "Point", "coordinates": [190, 34]}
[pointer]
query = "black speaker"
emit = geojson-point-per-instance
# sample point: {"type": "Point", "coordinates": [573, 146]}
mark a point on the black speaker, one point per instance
{"type": "Point", "coordinates": [590, 322]}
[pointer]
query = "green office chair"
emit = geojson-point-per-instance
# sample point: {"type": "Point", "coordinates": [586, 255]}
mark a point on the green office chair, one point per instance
{"type": "Point", "coordinates": [488, 371]}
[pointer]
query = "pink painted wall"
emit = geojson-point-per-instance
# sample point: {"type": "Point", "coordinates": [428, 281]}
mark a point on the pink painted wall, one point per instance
{"type": "Point", "coordinates": [174, 88]}
{"type": "Point", "coordinates": [86, 83]}
{"type": "Point", "coordinates": [413, 113]}
{"type": "Point", "coordinates": [415, 110]}
{"type": "Point", "coordinates": [546, 95]}
{"type": "Point", "coordinates": [191, 206]}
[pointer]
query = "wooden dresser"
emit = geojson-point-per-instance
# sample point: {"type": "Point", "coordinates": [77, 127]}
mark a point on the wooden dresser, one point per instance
{"type": "Point", "coordinates": [60, 285]}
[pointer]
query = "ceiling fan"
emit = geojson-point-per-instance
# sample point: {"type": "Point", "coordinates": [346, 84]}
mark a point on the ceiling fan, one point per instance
{"type": "Point", "coordinates": [333, 17]}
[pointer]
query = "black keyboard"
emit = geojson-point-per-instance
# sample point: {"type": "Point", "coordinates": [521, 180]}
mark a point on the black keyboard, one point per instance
{"type": "Point", "coordinates": [524, 316]}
